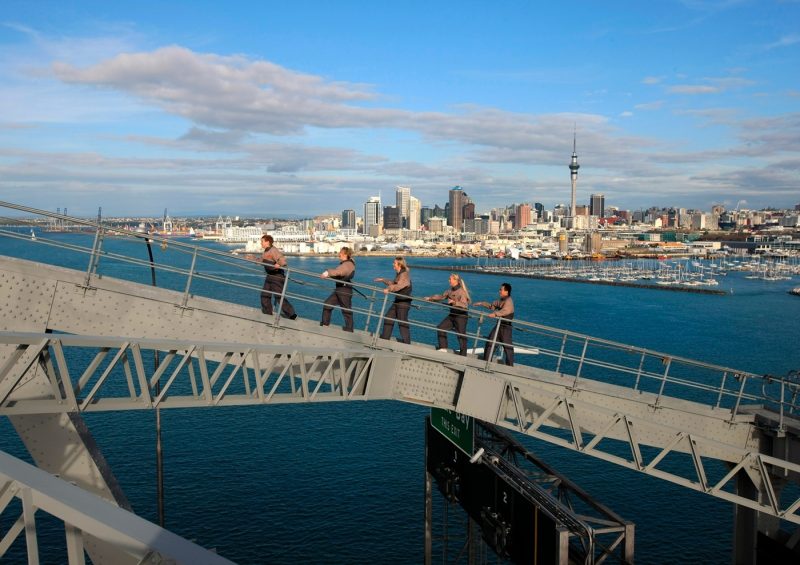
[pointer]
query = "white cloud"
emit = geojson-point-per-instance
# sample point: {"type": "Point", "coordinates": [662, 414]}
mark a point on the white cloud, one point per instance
{"type": "Point", "coordinates": [255, 131]}
{"type": "Point", "coordinates": [693, 89]}
{"type": "Point", "coordinates": [785, 41]}
{"type": "Point", "coordinates": [655, 105]}
{"type": "Point", "coordinates": [227, 92]}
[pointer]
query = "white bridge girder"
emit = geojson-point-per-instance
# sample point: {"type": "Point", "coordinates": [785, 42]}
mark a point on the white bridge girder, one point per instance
{"type": "Point", "coordinates": [60, 443]}
{"type": "Point", "coordinates": [533, 401]}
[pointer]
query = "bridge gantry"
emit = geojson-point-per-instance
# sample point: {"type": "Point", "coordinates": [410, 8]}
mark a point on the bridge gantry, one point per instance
{"type": "Point", "coordinates": [147, 347]}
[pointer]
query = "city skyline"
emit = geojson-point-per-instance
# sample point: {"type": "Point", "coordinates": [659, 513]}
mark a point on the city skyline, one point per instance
{"type": "Point", "coordinates": [282, 110]}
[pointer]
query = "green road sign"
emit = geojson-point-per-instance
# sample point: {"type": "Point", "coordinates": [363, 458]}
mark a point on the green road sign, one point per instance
{"type": "Point", "coordinates": [458, 428]}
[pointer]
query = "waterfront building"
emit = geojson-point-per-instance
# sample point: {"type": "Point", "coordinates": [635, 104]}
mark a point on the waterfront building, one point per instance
{"type": "Point", "coordinates": [523, 216]}
{"type": "Point", "coordinates": [592, 243]}
{"type": "Point", "coordinates": [391, 218]}
{"type": "Point", "coordinates": [701, 221]}
{"type": "Point", "coordinates": [671, 218]}
{"type": "Point", "coordinates": [457, 200]}
{"type": "Point", "coordinates": [402, 201]}
{"type": "Point", "coordinates": [469, 211]}
{"type": "Point", "coordinates": [348, 234]}
{"type": "Point", "coordinates": [289, 233]}
{"type": "Point", "coordinates": [326, 223]}
{"type": "Point", "coordinates": [412, 220]}
{"type": "Point", "coordinates": [241, 234]}
{"type": "Point", "coordinates": [597, 204]}
{"type": "Point", "coordinates": [425, 214]}
{"type": "Point", "coordinates": [563, 243]}
{"type": "Point", "coordinates": [437, 223]}
{"type": "Point", "coordinates": [373, 215]}
{"type": "Point", "coordinates": [480, 226]}
{"type": "Point", "coordinates": [348, 219]}
{"type": "Point", "coordinates": [306, 226]}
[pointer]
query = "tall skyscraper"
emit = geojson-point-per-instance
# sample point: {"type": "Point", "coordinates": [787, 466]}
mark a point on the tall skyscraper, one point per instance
{"type": "Point", "coordinates": [523, 216]}
{"type": "Point", "coordinates": [573, 173]}
{"type": "Point", "coordinates": [468, 211]}
{"type": "Point", "coordinates": [403, 196]}
{"type": "Point", "coordinates": [349, 219]}
{"type": "Point", "coordinates": [412, 222]}
{"type": "Point", "coordinates": [373, 213]}
{"type": "Point", "coordinates": [539, 207]}
{"type": "Point", "coordinates": [457, 200]}
{"type": "Point", "coordinates": [426, 213]}
{"type": "Point", "coordinates": [597, 205]}
{"type": "Point", "coordinates": [391, 218]}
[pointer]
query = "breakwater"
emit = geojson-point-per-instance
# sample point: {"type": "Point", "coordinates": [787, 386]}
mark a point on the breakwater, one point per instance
{"type": "Point", "coordinates": [506, 273]}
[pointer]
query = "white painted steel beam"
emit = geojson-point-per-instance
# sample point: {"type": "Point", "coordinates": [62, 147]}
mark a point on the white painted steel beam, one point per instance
{"type": "Point", "coordinates": [85, 514]}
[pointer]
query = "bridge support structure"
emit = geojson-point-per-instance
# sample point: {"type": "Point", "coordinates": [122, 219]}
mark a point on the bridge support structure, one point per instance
{"type": "Point", "coordinates": [574, 400]}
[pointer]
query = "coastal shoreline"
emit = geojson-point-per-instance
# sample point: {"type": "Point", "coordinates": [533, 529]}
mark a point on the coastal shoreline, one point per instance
{"type": "Point", "coordinates": [466, 269]}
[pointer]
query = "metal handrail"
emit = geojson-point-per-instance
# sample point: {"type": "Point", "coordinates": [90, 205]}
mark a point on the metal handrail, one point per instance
{"type": "Point", "coordinates": [529, 336]}
{"type": "Point", "coordinates": [86, 517]}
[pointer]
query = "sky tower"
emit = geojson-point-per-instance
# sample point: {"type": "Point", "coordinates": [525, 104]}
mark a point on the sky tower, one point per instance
{"type": "Point", "coordinates": [573, 174]}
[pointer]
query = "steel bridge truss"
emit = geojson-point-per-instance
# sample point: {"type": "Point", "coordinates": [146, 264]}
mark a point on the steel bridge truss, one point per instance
{"type": "Point", "coordinates": [713, 467]}
{"type": "Point", "coordinates": [142, 374]}
{"type": "Point", "coordinates": [88, 374]}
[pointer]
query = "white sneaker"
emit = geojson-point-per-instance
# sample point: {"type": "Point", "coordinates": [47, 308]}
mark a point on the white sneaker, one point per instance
{"type": "Point", "coordinates": [441, 349]}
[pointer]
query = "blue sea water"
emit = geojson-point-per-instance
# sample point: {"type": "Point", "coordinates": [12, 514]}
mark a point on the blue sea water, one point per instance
{"type": "Point", "coordinates": [343, 482]}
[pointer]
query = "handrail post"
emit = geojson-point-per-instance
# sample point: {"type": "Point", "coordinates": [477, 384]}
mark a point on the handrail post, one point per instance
{"type": "Point", "coordinates": [721, 388]}
{"type": "Point", "coordinates": [639, 371]}
{"type": "Point", "coordinates": [276, 323]}
{"type": "Point", "coordinates": [94, 257]}
{"type": "Point", "coordinates": [494, 343]}
{"type": "Point", "coordinates": [663, 380]}
{"type": "Point", "coordinates": [478, 332]}
{"type": "Point", "coordinates": [189, 280]}
{"type": "Point", "coordinates": [371, 307]}
{"type": "Point", "coordinates": [735, 409]}
{"type": "Point", "coordinates": [580, 363]}
{"type": "Point", "coordinates": [561, 353]}
{"type": "Point", "coordinates": [378, 327]}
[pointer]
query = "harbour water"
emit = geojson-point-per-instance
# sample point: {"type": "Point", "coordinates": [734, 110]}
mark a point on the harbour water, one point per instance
{"type": "Point", "coordinates": [343, 483]}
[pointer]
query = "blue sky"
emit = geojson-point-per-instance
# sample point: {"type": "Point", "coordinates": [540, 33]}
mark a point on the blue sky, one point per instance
{"type": "Point", "coordinates": [311, 107]}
